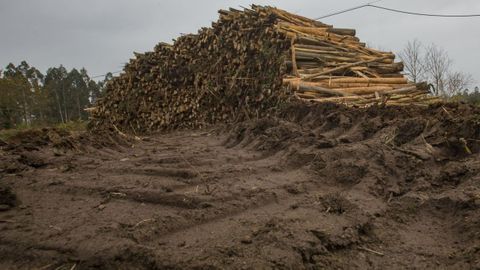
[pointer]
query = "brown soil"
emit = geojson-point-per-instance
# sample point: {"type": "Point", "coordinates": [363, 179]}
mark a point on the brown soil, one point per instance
{"type": "Point", "coordinates": [320, 187]}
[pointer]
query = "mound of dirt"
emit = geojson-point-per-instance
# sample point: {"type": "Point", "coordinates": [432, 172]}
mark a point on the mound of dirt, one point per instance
{"type": "Point", "coordinates": [34, 148]}
{"type": "Point", "coordinates": [9, 164]}
{"type": "Point", "coordinates": [318, 187]}
{"type": "Point", "coordinates": [35, 139]}
{"type": "Point", "coordinates": [449, 131]}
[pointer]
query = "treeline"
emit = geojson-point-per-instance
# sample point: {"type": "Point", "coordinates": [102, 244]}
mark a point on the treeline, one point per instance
{"type": "Point", "coordinates": [472, 97]}
{"type": "Point", "coordinates": [28, 97]}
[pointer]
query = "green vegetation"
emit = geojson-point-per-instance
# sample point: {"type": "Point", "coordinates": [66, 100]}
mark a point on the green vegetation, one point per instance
{"type": "Point", "coordinates": [30, 98]}
{"type": "Point", "coordinates": [71, 126]}
{"type": "Point", "coordinates": [6, 134]}
{"type": "Point", "coordinates": [472, 97]}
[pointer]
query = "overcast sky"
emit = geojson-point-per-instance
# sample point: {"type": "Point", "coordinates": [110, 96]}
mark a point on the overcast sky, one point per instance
{"type": "Point", "coordinates": [101, 35]}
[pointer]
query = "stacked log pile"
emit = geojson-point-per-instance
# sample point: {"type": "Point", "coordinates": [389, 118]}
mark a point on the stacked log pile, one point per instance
{"type": "Point", "coordinates": [246, 65]}
{"type": "Point", "coordinates": [330, 64]}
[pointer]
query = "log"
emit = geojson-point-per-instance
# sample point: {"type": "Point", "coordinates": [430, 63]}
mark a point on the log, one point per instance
{"type": "Point", "coordinates": [332, 84]}
{"type": "Point", "coordinates": [313, 88]}
{"type": "Point", "coordinates": [343, 31]}
{"type": "Point", "coordinates": [386, 68]}
{"type": "Point", "coordinates": [317, 47]}
{"type": "Point", "coordinates": [344, 67]}
{"type": "Point", "coordinates": [365, 90]}
{"type": "Point", "coordinates": [370, 80]}
{"type": "Point", "coordinates": [294, 59]}
{"type": "Point", "coordinates": [320, 53]}
{"type": "Point", "coordinates": [338, 99]}
{"type": "Point", "coordinates": [335, 85]}
{"type": "Point", "coordinates": [404, 90]}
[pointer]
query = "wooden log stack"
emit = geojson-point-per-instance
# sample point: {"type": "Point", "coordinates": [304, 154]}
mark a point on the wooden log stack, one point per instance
{"type": "Point", "coordinates": [246, 65]}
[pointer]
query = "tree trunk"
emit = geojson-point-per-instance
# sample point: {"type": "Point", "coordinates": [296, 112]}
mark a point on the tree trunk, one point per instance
{"type": "Point", "coordinates": [57, 99]}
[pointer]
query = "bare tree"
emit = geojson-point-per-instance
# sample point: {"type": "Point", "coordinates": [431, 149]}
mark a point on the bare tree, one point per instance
{"type": "Point", "coordinates": [412, 59]}
{"type": "Point", "coordinates": [437, 65]}
{"type": "Point", "coordinates": [457, 82]}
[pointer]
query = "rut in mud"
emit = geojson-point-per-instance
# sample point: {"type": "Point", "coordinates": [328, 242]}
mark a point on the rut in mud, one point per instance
{"type": "Point", "coordinates": [318, 187]}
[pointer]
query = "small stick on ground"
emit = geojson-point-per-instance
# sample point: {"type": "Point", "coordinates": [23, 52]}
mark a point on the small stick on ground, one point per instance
{"type": "Point", "coordinates": [125, 135]}
{"type": "Point", "coordinates": [143, 221]}
{"type": "Point", "coordinates": [448, 113]}
{"type": "Point", "coordinates": [46, 266]}
{"type": "Point", "coordinates": [371, 251]}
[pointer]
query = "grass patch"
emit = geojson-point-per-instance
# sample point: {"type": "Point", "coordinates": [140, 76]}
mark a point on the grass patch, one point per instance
{"type": "Point", "coordinates": [6, 134]}
{"type": "Point", "coordinates": [72, 126]}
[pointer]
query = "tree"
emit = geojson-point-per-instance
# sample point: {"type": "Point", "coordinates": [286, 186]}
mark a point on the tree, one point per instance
{"type": "Point", "coordinates": [79, 93]}
{"type": "Point", "coordinates": [71, 92]}
{"type": "Point", "coordinates": [437, 65]}
{"type": "Point", "coordinates": [412, 58]}
{"type": "Point", "coordinates": [469, 96]}
{"type": "Point", "coordinates": [55, 87]}
{"type": "Point", "coordinates": [457, 82]}
{"type": "Point", "coordinates": [11, 111]}
{"type": "Point", "coordinates": [101, 86]}
{"type": "Point", "coordinates": [26, 80]}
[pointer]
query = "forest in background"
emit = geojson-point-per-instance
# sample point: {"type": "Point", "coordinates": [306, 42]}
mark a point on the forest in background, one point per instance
{"type": "Point", "coordinates": [30, 98]}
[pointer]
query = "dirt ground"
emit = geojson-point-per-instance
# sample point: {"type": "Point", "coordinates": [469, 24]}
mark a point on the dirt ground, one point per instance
{"type": "Point", "coordinates": [319, 187]}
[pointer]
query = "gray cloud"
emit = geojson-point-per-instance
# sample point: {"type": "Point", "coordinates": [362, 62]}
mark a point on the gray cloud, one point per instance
{"type": "Point", "coordinates": [101, 35]}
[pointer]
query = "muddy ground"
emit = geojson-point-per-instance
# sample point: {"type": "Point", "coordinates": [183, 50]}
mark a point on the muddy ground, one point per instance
{"type": "Point", "coordinates": [319, 187]}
